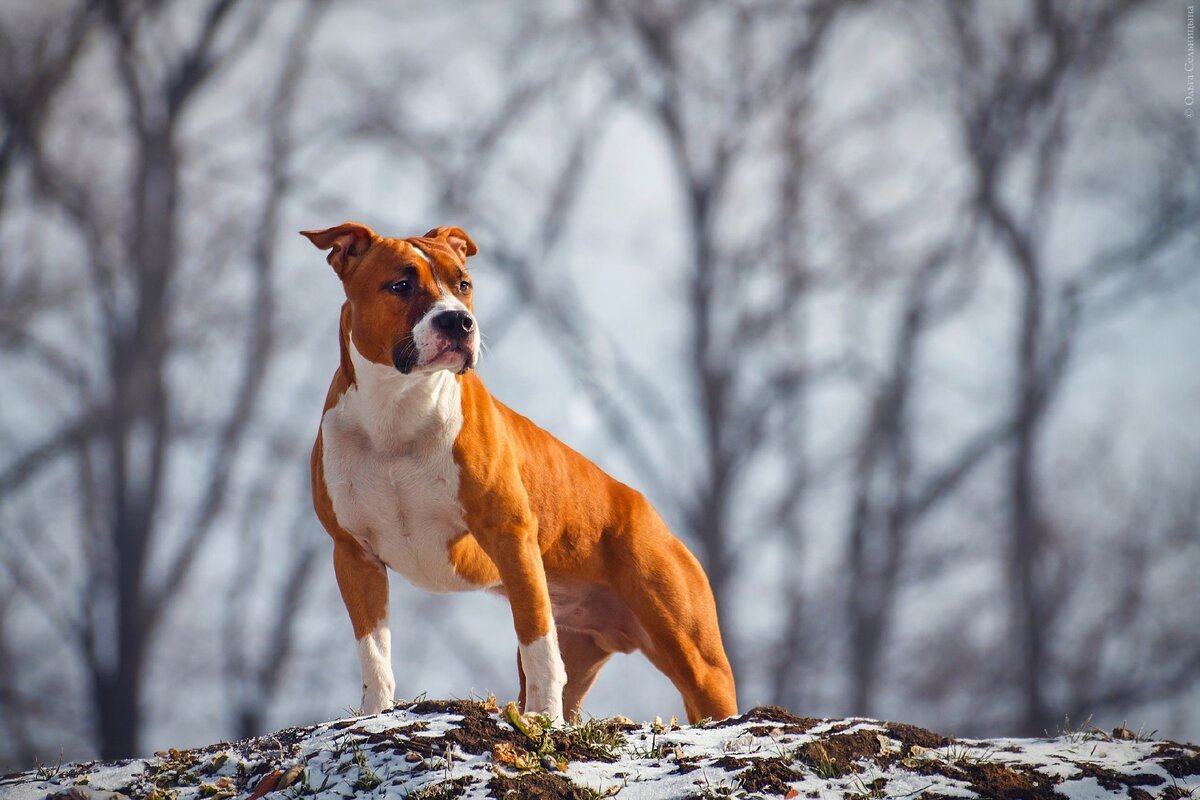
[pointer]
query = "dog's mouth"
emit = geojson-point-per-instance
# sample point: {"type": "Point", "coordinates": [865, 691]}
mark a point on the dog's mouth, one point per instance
{"type": "Point", "coordinates": [456, 356]}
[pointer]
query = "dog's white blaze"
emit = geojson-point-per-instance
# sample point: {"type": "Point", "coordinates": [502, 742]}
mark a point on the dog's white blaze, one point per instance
{"type": "Point", "coordinates": [375, 658]}
{"type": "Point", "coordinates": [390, 469]}
{"type": "Point", "coordinates": [420, 252]}
{"type": "Point", "coordinates": [545, 676]}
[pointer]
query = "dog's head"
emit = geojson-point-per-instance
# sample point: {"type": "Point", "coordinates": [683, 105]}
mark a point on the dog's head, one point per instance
{"type": "Point", "coordinates": [410, 299]}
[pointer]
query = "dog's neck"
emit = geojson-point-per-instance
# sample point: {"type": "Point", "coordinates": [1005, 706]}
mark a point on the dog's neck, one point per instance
{"type": "Point", "coordinates": [404, 412]}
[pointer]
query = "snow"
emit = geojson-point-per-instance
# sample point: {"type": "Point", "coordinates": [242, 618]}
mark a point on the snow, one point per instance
{"type": "Point", "coordinates": [428, 745]}
{"type": "Point", "coordinates": [1088, 789]}
{"type": "Point", "coordinates": [113, 778]}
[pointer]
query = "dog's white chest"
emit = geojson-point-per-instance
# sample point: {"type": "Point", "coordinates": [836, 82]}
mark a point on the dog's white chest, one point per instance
{"type": "Point", "coordinates": [390, 472]}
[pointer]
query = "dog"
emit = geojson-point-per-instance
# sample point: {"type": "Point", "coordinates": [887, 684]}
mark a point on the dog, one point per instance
{"type": "Point", "coordinates": [417, 468]}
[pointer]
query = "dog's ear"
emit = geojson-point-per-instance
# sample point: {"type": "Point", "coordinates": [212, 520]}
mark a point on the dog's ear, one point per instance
{"type": "Point", "coordinates": [457, 239]}
{"type": "Point", "coordinates": [345, 243]}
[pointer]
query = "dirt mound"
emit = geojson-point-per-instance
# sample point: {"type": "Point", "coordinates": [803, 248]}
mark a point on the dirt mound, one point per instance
{"type": "Point", "coordinates": [441, 750]}
{"type": "Point", "coordinates": [537, 786]}
{"type": "Point", "coordinates": [772, 715]}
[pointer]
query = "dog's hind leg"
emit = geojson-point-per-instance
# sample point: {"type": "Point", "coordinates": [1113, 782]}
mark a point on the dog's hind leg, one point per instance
{"type": "Point", "coordinates": [521, 678]}
{"type": "Point", "coordinates": [583, 659]}
{"type": "Point", "coordinates": [668, 593]}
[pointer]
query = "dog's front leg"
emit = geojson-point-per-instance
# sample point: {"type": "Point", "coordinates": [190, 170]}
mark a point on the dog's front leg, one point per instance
{"type": "Point", "coordinates": [519, 562]}
{"type": "Point", "coordinates": [364, 586]}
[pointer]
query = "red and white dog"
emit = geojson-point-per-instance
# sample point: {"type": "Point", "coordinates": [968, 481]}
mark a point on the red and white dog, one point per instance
{"type": "Point", "coordinates": [417, 468]}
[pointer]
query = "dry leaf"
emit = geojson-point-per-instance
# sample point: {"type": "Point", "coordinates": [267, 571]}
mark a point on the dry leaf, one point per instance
{"type": "Point", "coordinates": [292, 775]}
{"type": "Point", "coordinates": [525, 723]}
{"type": "Point", "coordinates": [268, 783]}
{"type": "Point", "coordinates": [886, 745]}
{"type": "Point", "coordinates": [507, 755]}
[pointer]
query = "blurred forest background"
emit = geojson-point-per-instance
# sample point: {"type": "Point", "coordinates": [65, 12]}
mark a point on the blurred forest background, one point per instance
{"type": "Point", "coordinates": [891, 309]}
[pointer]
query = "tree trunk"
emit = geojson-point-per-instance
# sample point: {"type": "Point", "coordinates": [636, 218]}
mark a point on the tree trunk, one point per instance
{"type": "Point", "coordinates": [137, 440]}
{"type": "Point", "coordinates": [712, 384]}
{"type": "Point", "coordinates": [1029, 623]}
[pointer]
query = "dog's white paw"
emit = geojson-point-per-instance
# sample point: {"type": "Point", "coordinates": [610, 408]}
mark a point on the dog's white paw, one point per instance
{"type": "Point", "coordinates": [377, 699]}
{"type": "Point", "coordinates": [546, 677]}
{"type": "Point", "coordinates": [375, 657]}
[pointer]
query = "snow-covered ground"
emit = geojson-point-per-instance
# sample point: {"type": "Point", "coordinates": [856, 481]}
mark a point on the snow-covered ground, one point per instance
{"type": "Point", "coordinates": [461, 749]}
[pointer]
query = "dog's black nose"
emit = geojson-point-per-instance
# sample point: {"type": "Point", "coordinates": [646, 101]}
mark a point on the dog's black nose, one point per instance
{"type": "Point", "coordinates": [454, 323]}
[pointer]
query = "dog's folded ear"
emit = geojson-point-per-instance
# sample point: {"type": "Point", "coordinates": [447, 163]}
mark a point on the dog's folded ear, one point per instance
{"type": "Point", "coordinates": [457, 239]}
{"type": "Point", "coordinates": [345, 243]}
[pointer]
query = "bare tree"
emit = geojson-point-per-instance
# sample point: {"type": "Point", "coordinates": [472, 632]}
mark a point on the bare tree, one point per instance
{"type": "Point", "coordinates": [1014, 113]}
{"type": "Point", "coordinates": [131, 420]}
{"type": "Point", "coordinates": [805, 464]}
{"type": "Point", "coordinates": [724, 103]}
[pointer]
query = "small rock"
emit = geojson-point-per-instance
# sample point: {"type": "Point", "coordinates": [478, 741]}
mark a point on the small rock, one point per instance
{"type": "Point", "coordinates": [1123, 733]}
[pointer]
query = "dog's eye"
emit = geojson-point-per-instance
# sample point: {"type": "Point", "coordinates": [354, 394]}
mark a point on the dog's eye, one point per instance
{"type": "Point", "coordinates": [400, 287]}
{"type": "Point", "coordinates": [464, 286]}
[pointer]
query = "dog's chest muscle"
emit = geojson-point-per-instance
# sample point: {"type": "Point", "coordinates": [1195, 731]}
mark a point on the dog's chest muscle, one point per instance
{"type": "Point", "coordinates": [398, 496]}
